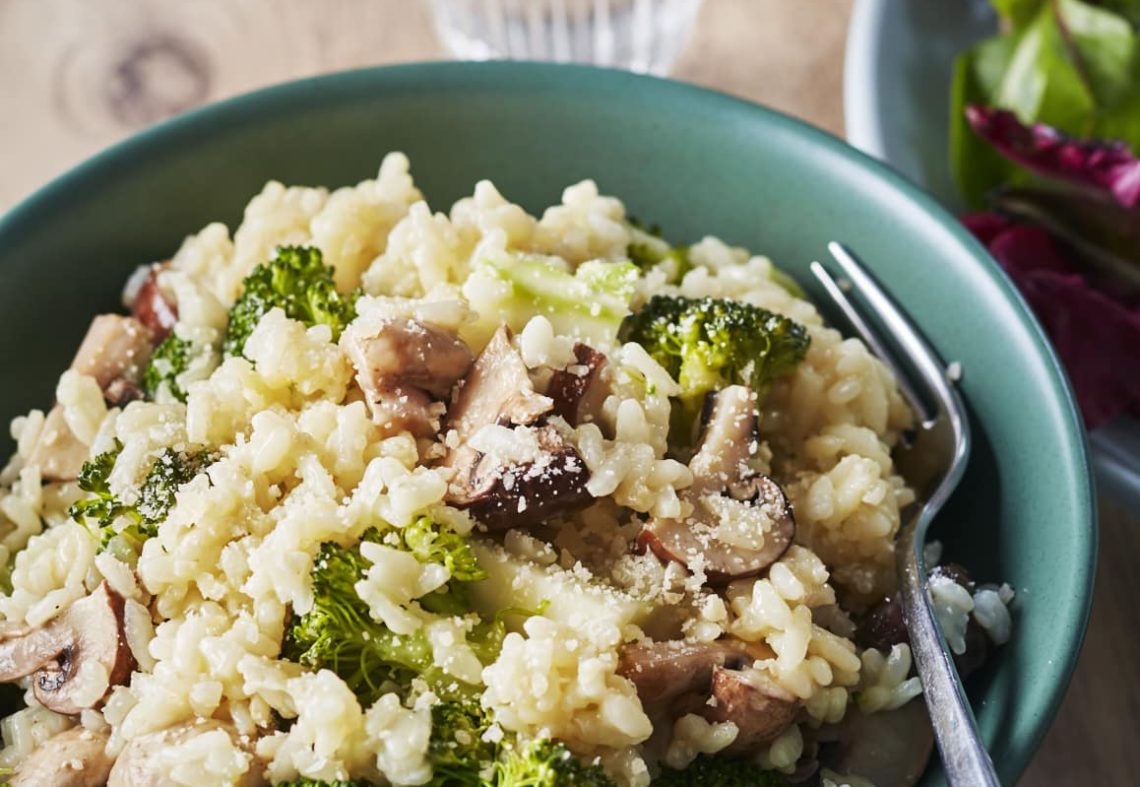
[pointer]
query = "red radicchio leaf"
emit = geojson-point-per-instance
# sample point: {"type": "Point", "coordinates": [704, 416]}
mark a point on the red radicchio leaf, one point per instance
{"type": "Point", "coordinates": [1045, 150]}
{"type": "Point", "coordinates": [1097, 338]}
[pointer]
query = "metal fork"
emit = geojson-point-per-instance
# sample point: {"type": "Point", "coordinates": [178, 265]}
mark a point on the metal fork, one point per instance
{"type": "Point", "coordinates": [933, 460]}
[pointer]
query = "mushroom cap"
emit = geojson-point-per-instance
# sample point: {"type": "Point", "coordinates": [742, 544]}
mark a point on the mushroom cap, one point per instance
{"type": "Point", "coordinates": [759, 708]}
{"type": "Point", "coordinates": [76, 658]}
{"type": "Point", "coordinates": [884, 625]}
{"type": "Point", "coordinates": [73, 758]}
{"type": "Point", "coordinates": [890, 748]}
{"type": "Point", "coordinates": [114, 352]}
{"type": "Point", "coordinates": [729, 536]}
{"type": "Point", "coordinates": [741, 520]}
{"type": "Point", "coordinates": [122, 392]}
{"type": "Point", "coordinates": [500, 491]}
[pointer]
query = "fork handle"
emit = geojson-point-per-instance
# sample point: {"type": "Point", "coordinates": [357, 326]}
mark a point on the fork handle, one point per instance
{"type": "Point", "coordinates": [964, 756]}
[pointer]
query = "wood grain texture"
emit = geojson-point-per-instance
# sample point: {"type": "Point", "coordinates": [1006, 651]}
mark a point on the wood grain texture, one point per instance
{"type": "Point", "coordinates": [77, 75]}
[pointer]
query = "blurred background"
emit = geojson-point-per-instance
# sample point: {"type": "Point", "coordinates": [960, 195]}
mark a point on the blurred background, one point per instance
{"type": "Point", "coordinates": [79, 75]}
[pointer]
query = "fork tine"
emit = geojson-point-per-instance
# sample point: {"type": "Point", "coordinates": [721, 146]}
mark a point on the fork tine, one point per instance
{"type": "Point", "coordinates": [871, 338]}
{"type": "Point", "coordinates": [928, 363]}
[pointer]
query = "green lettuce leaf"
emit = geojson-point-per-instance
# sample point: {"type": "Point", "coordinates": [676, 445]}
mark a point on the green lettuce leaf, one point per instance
{"type": "Point", "coordinates": [1071, 64]}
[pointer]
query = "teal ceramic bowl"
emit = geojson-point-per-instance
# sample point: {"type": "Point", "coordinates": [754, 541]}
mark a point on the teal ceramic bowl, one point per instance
{"type": "Point", "coordinates": [692, 160]}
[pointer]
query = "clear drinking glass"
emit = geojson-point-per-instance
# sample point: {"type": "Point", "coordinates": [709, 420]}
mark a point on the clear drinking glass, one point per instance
{"type": "Point", "coordinates": [639, 35]}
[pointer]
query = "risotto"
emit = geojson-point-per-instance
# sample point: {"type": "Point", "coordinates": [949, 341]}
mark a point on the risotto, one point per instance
{"type": "Point", "coordinates": [366, 493]}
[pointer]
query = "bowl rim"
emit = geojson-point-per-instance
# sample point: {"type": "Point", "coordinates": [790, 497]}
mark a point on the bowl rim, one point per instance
{"type": "Point", "coordinates": [860, 119]}
{"type": "Point", "coordinates": [490, 75]}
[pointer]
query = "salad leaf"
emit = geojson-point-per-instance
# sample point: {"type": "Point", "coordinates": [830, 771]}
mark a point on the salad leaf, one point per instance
{"type": "Point", "coordinates": [978, 168]}
{"type": "Point", "coordinates": [1044, 81]}
{"type": "Point", "coordinates": [1018, 13]}
{"type": "Point", "coordinates": [1104, 235]}
{"type": "Point", "coordinates": [1046, 151]}
{"type": "Point", "coordinates": [1129, 9]}
{"type": "Point", "coordinates": [1071, 64]}
{"type": "Point", "coordinates": [1097, 337]}
{"type": "Point", "coordinates": [1103, 45]}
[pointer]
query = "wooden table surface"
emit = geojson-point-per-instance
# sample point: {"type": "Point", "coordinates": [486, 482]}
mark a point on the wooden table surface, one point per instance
{"type": "Point", "coordinates": [77, 75]}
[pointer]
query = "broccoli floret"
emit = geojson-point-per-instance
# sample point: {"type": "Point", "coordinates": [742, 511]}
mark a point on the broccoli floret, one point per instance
{"type": "Point", "coordinates": [296, 281]}
{"type": "Point", "coordinates": [100, 511]}
{"type": "Point", "coordinates": [711, 771]}
{"type": "Point", "coordinates": [589, 303]}
{"type": "Point", "coordinates": [457, 751]}
{"type": "Point", "coordinates": [428, 542]}
{"type": "Point", "coordinates": [461, 753]}
{"type": "Point", "coordinates": [545, 763]}
{"type": "Point", "coordinates": [709, 343]}
{"type": "Point", "coordinates": [339, 634]}
{"type": "Point", "coordinates": [169, 359]}
{"type": "Point", "coordinates": [647, 250]}
{"type": "Point", "coordinates": [170, 471]}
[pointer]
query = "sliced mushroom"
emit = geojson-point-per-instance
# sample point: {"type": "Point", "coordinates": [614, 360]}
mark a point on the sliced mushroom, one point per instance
{"type": "Point", "coordinates": [403, 409]}
{"type": "Point", "coordinates": [114, 352]}
{"type": "Point", "coordinates": [58, 452]}
{"type": "Point", "coordinates": [716, 680]}
{"type": "Point", "coordinates": [410, 353]}
{"type": "Point", "coordinates": [884, 625]}
{"type": "Point", "coordinates": [500, 490]}
{"type": "Point", "coordinates": [148, 303]}
{"type": "Point", "coordinates": [404, 367]}
{"type": "Point", "coordinates": [114, 347]}
{"type": "Point", "coordinates": [889, 748]}
{"type": "Point", "coordinates": [759, 708]}
{"type": "Point", "coordinates": [502, 494]}
{"type": "Point", "coordinates": [72, 758]}
{"type": "Point", "coordinates": [728, 536]}
{"type": "Point", "coordinates": [741, 520]}
{"type": "Point", "coordinates": [122, 392]}
{"type": "Point", "coordinates": [662, 671]}
{"type": "Point", "coordinates": [77, 657]}
{"type": "Point", "coordinates": [728, 440]}
{"type": "Point", "coordinates": [497, 390]}
{"type": "Point", "coordinates": [576, 390]}
{"type": "Point", "coordinates": [143, 763]}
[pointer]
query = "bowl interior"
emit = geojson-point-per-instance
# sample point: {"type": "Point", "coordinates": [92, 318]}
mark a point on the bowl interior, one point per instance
{"type": "Point", "coordinates": [694, 161]}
